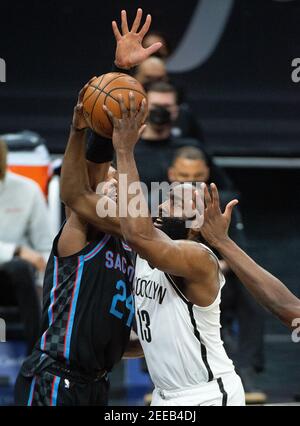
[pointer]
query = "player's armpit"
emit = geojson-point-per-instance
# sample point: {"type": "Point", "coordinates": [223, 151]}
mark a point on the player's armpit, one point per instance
{"type": "Point", "coordinates": [183, 258]}
{"type": "Point", "coordinates": [99, 211]}
{"type": "Point", "coordinates": [73, 237]}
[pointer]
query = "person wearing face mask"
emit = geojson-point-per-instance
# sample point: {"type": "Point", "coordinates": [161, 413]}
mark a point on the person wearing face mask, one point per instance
{"type": "Point", "coordinates": [25, 242]}
{"type": "Point", "coordinates": [157, 144]}
{"type": "Point", "coordinates": [184, 123]}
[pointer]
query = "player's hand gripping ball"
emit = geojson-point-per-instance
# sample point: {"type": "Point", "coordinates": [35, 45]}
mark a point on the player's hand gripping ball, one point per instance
{"type": "Point", "coordinates": [104, 90]}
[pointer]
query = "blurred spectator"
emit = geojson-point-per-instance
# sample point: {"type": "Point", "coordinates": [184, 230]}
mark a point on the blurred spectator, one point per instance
{"type": "Point", "coordinates": [25, 243]}
{"type": "Point", "coordinates": [158, 141]}
{"type": "Point", "coordinates": [150, 71]}
{"type": "Point", "coordinates": [157, 145]}
{"type": "Point", "coordinates": [184, 124]}
{"type": "Point", "coordinates": [191, 165]}
{"type": "Point", "coordinates": [154, 37]}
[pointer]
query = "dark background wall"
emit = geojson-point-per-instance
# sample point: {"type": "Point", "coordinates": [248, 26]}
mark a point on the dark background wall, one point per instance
{"type": "Point", "coordinates": [243, 94]}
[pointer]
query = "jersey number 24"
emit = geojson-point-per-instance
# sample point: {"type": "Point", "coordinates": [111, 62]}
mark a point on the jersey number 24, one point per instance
{"type": "Point", "coordinates": [122, 298]}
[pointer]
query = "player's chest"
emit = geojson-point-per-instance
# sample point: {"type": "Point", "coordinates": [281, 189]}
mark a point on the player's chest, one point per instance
{"type": "Point", "coordinates": [150, 289]}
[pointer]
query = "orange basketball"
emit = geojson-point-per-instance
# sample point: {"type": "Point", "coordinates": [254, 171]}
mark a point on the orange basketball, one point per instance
{"type": "Point", "coordinates": [104, 91]}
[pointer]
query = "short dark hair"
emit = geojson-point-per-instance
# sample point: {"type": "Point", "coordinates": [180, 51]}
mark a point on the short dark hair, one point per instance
{"type": "Point", "coordinates": [191, 153]}
{"type": "Point", "coordinates": [162, 87]}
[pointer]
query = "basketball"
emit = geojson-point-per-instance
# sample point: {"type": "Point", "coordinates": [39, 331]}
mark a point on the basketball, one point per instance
{"type": "Point", "coordinates": [104, 91]}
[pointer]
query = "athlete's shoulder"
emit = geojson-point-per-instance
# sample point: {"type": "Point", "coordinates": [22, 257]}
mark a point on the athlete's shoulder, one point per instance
{"type": "Point", "coordinates": [195, 246]}
{"type": "Point", "coordinates": [199, 257]}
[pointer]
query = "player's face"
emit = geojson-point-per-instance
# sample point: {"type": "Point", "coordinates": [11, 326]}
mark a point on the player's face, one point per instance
{"type": "Point", "coordinates": [186, 170]}
{"type": "Point", "coordinates": [175, 211]}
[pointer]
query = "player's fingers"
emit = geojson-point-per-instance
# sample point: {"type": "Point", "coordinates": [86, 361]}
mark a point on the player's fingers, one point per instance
{"type": "Point", "coordinates": [112, 118]}
{"type": "Point", "coordinates": [83, 90]}
{"type": "Point", "coordinates": [141, 116]}
{"type": "Point", "coordinates": [81, 94]}
{"type": "Point", "coordinates": [145, 27]}
{"type": "Point", "coordinates": [198, 199]}
{"type": "Point", "coordinates": [78, 108]}
{"type": "Point", "coordinates": [215, 195]}
{"type": "Point", "coordinates": [153, 48]}
{"type": "Point", "coordinates": [200, 207]}
{"type": "Point", "coordinates": [142, 129]}
{"type": "Point", "coordinates": [124, 110]}
{"type": "Point", "coordinates": [132, 104]}
{"type": "Point", "coordinates": [125, 29]}
{"type": "Point", "coordinates": [229, 208]}
{"type": "Point", "coordinates": [194, 198]}
{"type": "Point", "coordinates": [116, 31]}
{"type": "Point", "coordinates": [137, 21]}
{"type": "Point", "coordinates": [92, 79]}
{"type": "Point", "coordinates": [207, 197]}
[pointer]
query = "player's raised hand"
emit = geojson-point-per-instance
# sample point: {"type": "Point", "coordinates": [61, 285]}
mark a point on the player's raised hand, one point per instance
{"type": "Point", "coordinates": [130, 51]}
{"type": "Point", "coordinates": [216, 224]}
{"type": "Point", "coordinates": [197, 204]}
{"type": "Point", "coordinates": [128, 128]}
{"type": "Point", "coordinates": [78, 121]}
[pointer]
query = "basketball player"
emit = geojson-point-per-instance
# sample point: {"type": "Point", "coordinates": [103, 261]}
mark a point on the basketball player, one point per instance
{"type": "Point", "coordinates": [87, 302]}
{"type": "Point", "coordinates": [266, 289]}
{"type": "Point", "coordinates": [177, 290]}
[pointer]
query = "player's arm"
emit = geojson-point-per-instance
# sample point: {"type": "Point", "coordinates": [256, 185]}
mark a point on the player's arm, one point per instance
{"type": "Point", "coordinates": [75, 188]}
{"type": "Point", "coordinates": [181, 258]}
{"type": "Point", "coordinates": [134, 348]}
{"type": "Point", "coordinates": [266, 289]}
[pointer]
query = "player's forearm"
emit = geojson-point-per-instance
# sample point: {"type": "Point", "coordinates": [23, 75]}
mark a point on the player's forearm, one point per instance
{"type": "Point", "coordinates": [135, 227]}
{"type": "Point", "coordinates": [267, 290]}
{"type": "Point", "coordinates": [74, 175]}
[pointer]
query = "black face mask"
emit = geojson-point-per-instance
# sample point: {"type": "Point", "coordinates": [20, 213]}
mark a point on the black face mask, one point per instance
{"type": "Point", "coordinates": [159, 116]}
{"type": "Point", "coordinates": [175, 228]}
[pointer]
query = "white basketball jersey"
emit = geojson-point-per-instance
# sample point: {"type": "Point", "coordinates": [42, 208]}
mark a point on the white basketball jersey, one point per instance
{"type": "Point", "coordinates": [181, 341]}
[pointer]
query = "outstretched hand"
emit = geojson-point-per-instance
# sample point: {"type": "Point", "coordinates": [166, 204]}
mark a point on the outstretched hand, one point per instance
{"type": "Point", "coordinates": [129, 127]}
{"type": "Point", "coordinates": [130, 51]}
{"type": "Point", "coordinates": [216, 223]}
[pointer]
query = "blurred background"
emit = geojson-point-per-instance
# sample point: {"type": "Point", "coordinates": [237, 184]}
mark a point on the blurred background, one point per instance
{"type": "Point", "coordinates": [231, 63]}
